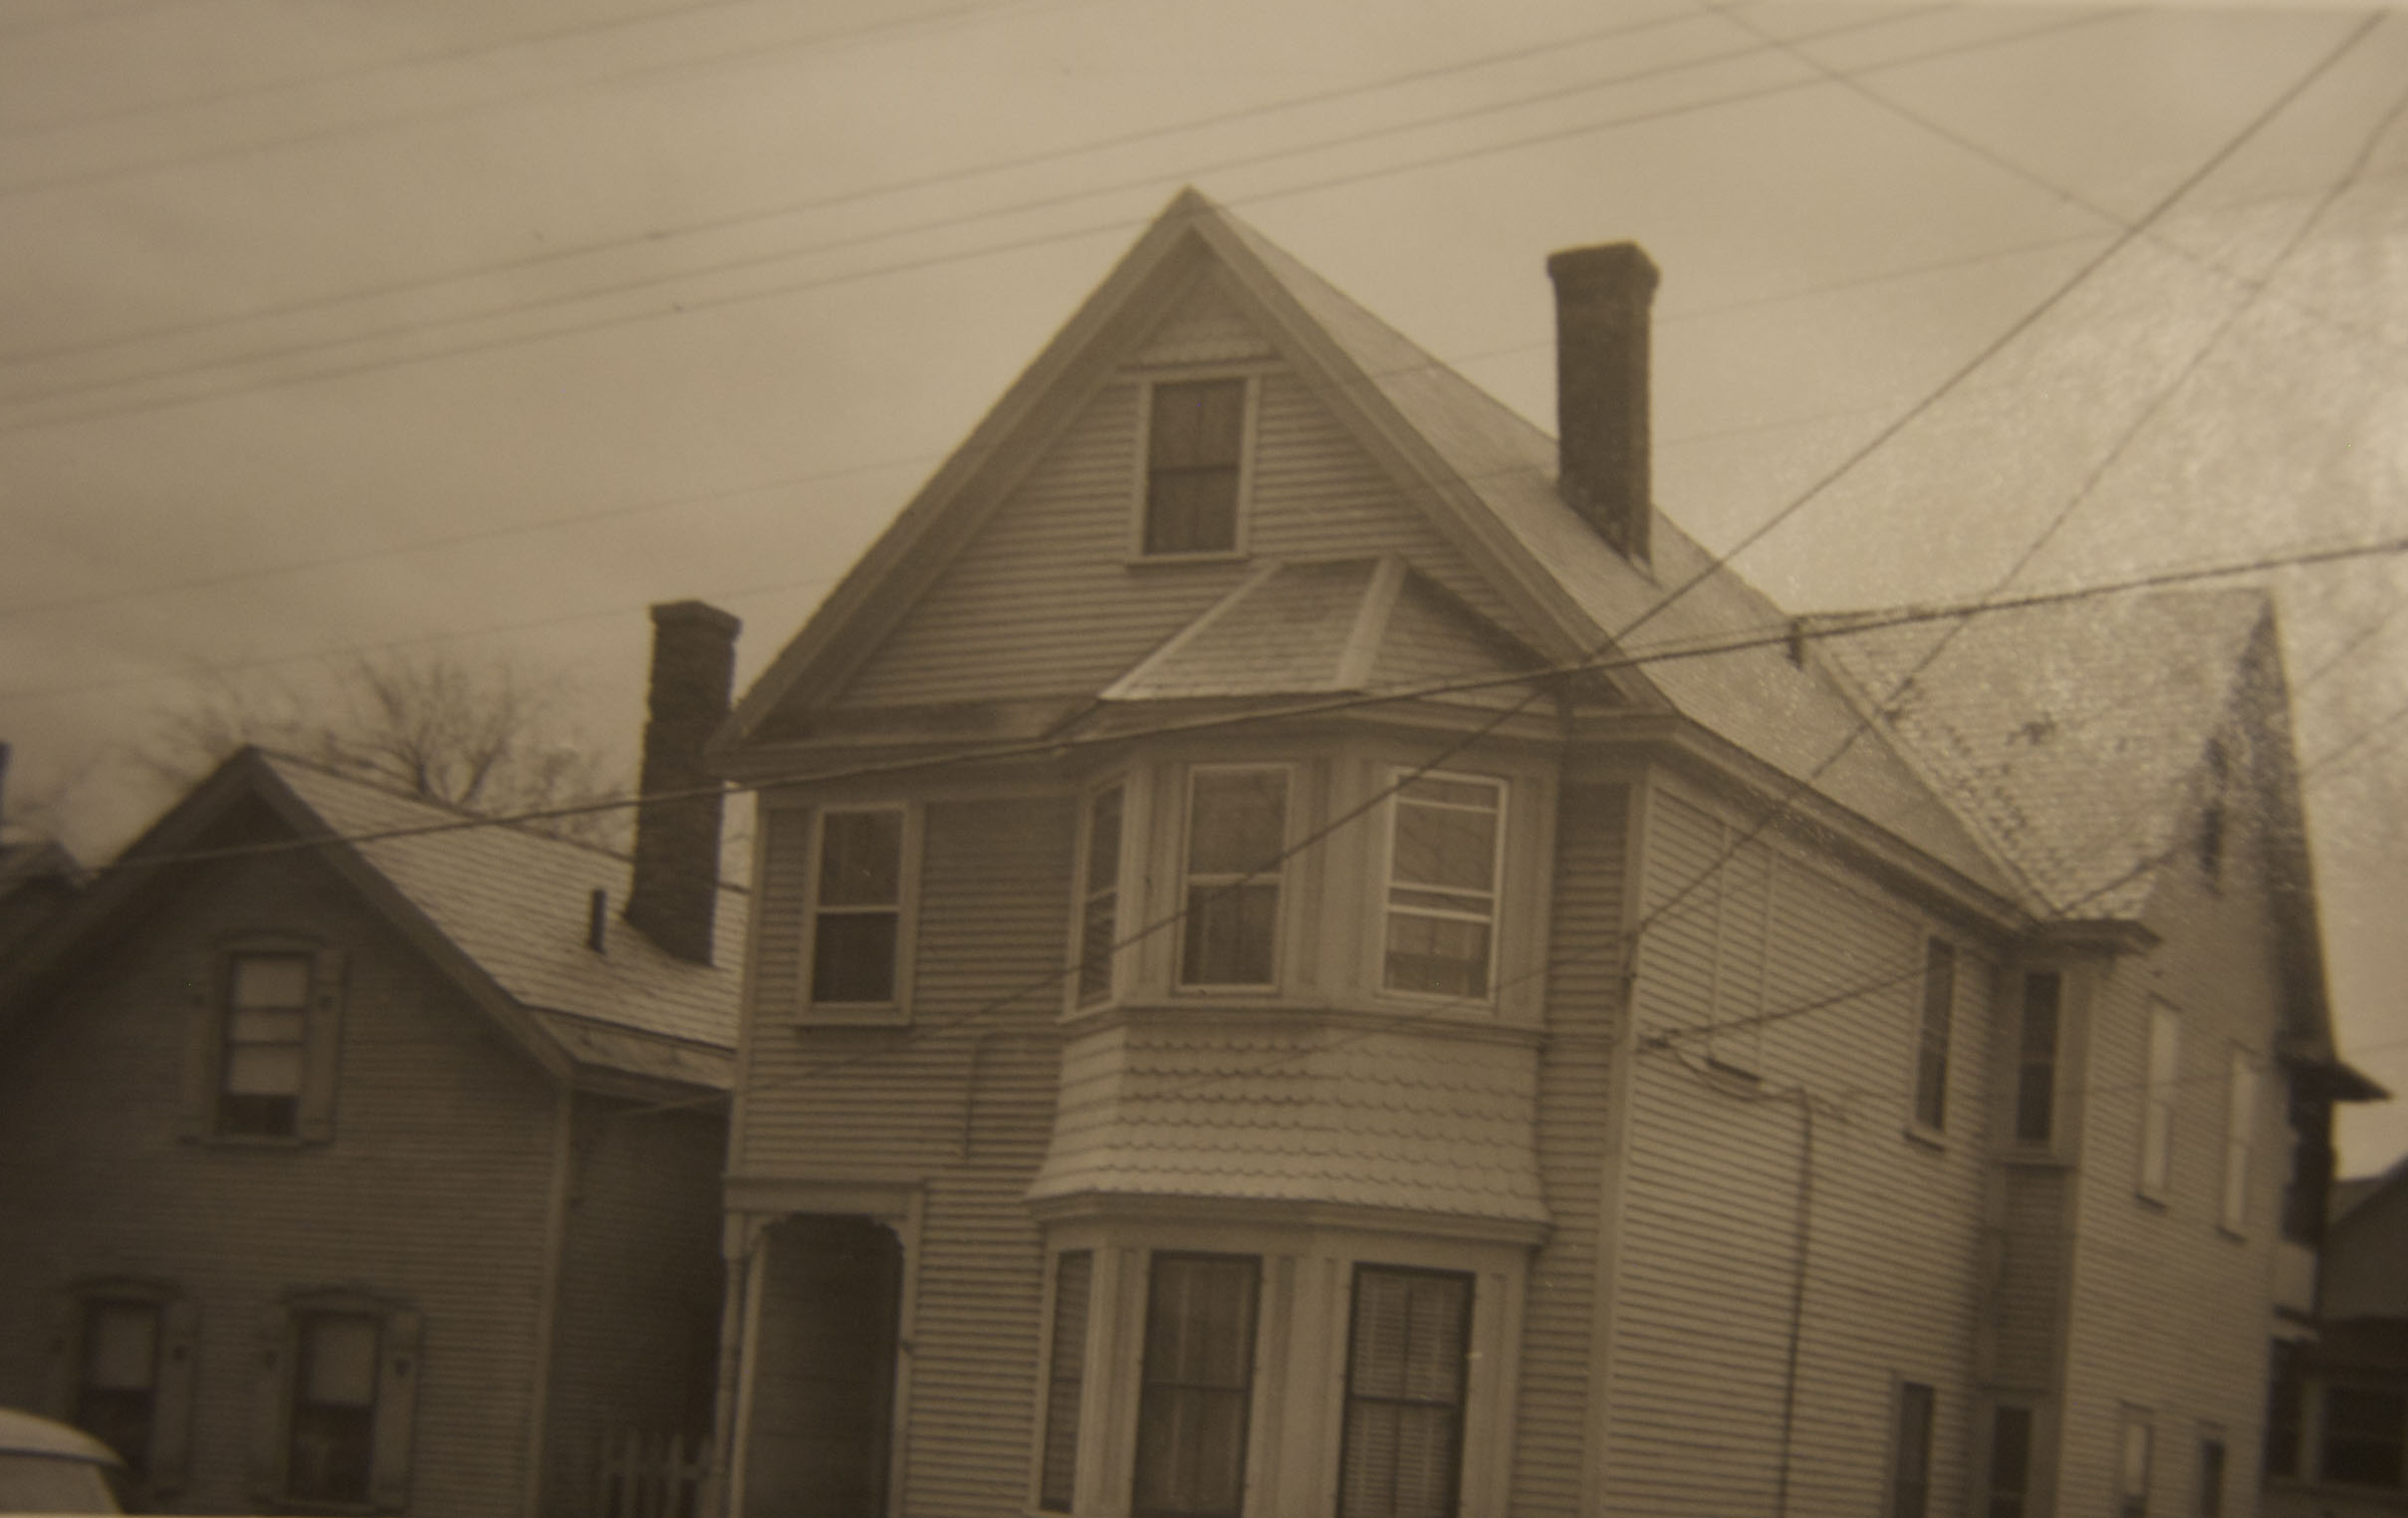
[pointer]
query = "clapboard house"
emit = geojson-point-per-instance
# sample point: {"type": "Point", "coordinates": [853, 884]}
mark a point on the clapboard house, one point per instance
{"type": "Point", "coordinates": [1276, 1004]}
{"type": "Point", "coordinates": [2336, 1435]}
{"type": "Point", "coordinates": [361, 1157]}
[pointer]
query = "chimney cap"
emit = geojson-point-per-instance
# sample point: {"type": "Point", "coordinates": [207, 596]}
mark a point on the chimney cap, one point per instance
{"type": "Point", "coordinates": [667, 612]}
{"type": "Point", "coordinates": [1609, 264]}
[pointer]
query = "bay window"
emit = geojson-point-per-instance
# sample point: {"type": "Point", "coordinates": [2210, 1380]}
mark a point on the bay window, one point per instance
{"type": "Point", "coordinates": [1405, 1362]}
{"type": "Point", "coordinates": [1099, 897]}
{"type": "Point", "coordinates": [1196, 1390]}
{"type": "Point", "coordinates": [1445, 845]}
{"type": "Point", "coordinates": [1236, 832]}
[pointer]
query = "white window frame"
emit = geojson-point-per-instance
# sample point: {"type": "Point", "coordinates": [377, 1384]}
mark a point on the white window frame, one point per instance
{"type": "Point", "coordinates": [2163, 1053]}
{"type": "Point", "coordinates": [1277, 878]}
{"type": "Point", "coordinates": [1115, 967]}
{"type": "Point", "coordinates": [1397, 780]}
{"type": "Point", "coordinates": [2240, 1133]}
{"type": "Point", "coordinates": [898, 1008]}
{"type": "Point", "coordinates": [1249, 408]}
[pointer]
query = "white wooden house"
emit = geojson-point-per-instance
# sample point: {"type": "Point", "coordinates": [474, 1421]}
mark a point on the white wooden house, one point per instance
{"type": "Point", "coordinates": [1246, 1012]}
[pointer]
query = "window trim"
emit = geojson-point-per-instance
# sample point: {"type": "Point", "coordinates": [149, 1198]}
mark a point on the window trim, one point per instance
{"type": "Point", "coordinates": [400, 1336]}
{"type": "Point", "coordinates": [2160, 1094]}
{"type": "Point", "coordinates": [1249, 409]}
{"type": "Point", "coordinates": [1396, 779]}
{"type": "Point", "coordinates": [1931, 1043]}
{"type": "Point", "coordinates": [1281, 878]}
{"type": "Point", "coordinates": [897, 1009]}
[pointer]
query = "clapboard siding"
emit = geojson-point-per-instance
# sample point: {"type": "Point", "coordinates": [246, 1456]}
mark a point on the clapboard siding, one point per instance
{"type": "Point", "coordinates": [1043, 603]}
{"type": "Point", "coordinates": [433, 1192]}
{"type": "Point", "coordinates": [2169, 1312]}
{"type": "Point", "coordinates": [1707, 1266]}
{"type": "Point", "coordinates": [635, 1329]}
{"type": "Point", "coordinates": [1583, 953]}
{"type": "Point", "coordinates": [966, 1101]}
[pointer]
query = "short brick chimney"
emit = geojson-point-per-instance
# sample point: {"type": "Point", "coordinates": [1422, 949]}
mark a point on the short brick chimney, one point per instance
{"type": "Point", "coordinates": [676, 891]}
{"type": "Point", "coordinates": [1604, 299]}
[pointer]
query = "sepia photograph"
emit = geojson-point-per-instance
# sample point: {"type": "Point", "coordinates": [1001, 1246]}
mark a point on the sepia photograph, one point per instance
{"type": "Point", "coordinates": [993, 758]}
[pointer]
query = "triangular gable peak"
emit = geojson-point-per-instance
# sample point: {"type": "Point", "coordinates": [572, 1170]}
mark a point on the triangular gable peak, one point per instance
{"type": "Point", "coordinates": [1016, 582]}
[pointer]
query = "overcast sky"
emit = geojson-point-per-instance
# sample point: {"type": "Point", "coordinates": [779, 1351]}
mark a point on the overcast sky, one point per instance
{"type": "Point", "coordinates": [331, 325]}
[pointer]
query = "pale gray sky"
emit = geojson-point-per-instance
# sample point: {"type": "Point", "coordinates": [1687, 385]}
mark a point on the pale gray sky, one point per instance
{"type": "Point", "coordinates": [493, 321]}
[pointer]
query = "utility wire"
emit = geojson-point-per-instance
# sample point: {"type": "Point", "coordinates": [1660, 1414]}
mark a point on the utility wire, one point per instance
{"type": "Point", "coordinates": [1119, 224]}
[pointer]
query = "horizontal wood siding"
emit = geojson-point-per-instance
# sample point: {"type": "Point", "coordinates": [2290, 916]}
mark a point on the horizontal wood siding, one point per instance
{"type": "Point", "coordinates": [1583, 950]}
{"type": "Point", "coordinates": [1043, 603]}
{"type": "Point", "coordinates": [2169, 1312]}
{"type": "Point", "coordinates": [636, 1331]}
{"type": "Point", "coordinates": [965, 1101]}
{"type": "Point", "coordinates": [1703, 1316]}
{"type": "Point", "coordinates": [433, 1192]}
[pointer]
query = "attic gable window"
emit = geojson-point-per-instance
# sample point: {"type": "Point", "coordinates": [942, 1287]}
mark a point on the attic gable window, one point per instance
{"type": "Point", "coordinates": [263, 1044]}
{"type": "Point", "coordinates": [1195, 458]}
{"type": "Point", "coordinates": [267, 1017]}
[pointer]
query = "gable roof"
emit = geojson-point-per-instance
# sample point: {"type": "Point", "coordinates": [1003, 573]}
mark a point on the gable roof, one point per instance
{"type": "Point", "coordinates": [1485, 476]}
{"type": "Point", "coordinates": [501, 909]}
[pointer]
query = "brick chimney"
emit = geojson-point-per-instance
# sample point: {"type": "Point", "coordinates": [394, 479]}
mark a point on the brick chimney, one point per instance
{"type": "Point", "coordinates": [1603, 296]}
{"type": "Point", "coordinates": [676, 891]}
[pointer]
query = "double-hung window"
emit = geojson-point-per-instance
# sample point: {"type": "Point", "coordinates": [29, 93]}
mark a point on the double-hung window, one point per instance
{"type": "Point", "coordinates": [339, 1402]}
{"type": "Point", "coordinates": [1197, 1389]}
{"type": "Point", "coordinates": [1405, 1362]}
{"type": "Point", "coordinates": [1195, 450]}
{"type": "Point", "coordinates": [1931, 1043]}
{"type": "Point", "coordinates": [2157, 1107]}
{"type": "Point", "coordinates": [2240, 1119]}
{"type": "Point", "coordinates": [1099, 897]}
{"type": "Point", "coordinates": [261, 1065]}
{"type": "Point", "coordinates": [1910, 1455]}
{"type": "Point", "coordinates": [264, 1041]}
{"type": "Point", "coordinates": [858, 878]}
{"type": "Point", "coordinates": [2009, 1486]}
{"type": "Point", "coordinates": [117, 1374]}
{"type": "Point", "coordinates": [1445, 843]}
{"type": "Point", "coordinates": [1237, 834]}
{"type": "Point", "coordinates": [2036, 1058]}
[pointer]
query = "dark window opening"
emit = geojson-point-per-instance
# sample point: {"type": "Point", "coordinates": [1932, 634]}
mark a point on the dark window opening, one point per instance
{"type": "Point", "coordinates": [858, 907]}
{"type": "Point", "coordinates": [261, 1062]}
{"type": "Point", "coordinates": [2211, 1478]}
{"type": "Point", "coordinates": [333, 1420]}
{"type": "Point", "coordinates": [1910, 1469]}
{"type": "Point", "coordinates": [1195, 437]}
{"type": "Point", "coordinates": [2362, 1437]}
{"type": "Point", "coordinates": [2010, 1461]}
{"type": "Point", "coordinates": [1099, 910]}
{"type": "Point", "coordinates": [2035, 1064]}
{"type": "Point", "coordinates": [1197, 1388]}
{"type": "Point", "coordinates": [2285, 1398]}
{"type": "Point", "coordinates": [1408, 1352]}
{"type": "Point", "coordinates": [1237, 829]}
{"type": "Point", "coordinates": [1073, 1281]}
{"type": "Point", "coordinates": [1931, 1046]}
{"type": "Point", "coordinates": [116, 1375]}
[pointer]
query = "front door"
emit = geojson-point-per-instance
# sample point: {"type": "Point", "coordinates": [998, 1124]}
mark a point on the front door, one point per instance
{"type": "Point", "coordinates": [823, 1402]}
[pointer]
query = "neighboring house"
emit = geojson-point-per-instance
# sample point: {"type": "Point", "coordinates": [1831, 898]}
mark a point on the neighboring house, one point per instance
{"type": "Point", "coordinates": [37, 881]}
{"type": "Point", "coordinates": [358, 1155]}
{"type": "Point", "coordinates": [2336, 1437]}
{"type": "Point", "coordinates": [1252, 1018]}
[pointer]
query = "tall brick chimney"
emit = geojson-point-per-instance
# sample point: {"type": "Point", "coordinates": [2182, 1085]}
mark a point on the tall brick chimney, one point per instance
{"type": "Point", "coordinates": [676, 891]}
{"type": "Point", "coordinates": [1604, 297]}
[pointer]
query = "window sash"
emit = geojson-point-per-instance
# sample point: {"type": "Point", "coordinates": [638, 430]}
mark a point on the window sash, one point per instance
{"type": "Point", "coordinates": [1446, 846]}
{"type": "Point", "coordinates": [1408, 1355]}
{"type": "Point", "coordinates": [262, 1057]}
{"type": "Point", "coordinates": [1910, 1467]}
{"type": "Point", "coordinates": [1237, 834]}
{"type": "Point", "coordinates": [1196, 1390]}
{"type": "Point", "coordinates": [1931, 1044]}
{"type": "Point", "coordinates": [2035, 1066]}
{"type": "Point", "coordinates": [857, 905]}
{"type": "Point", "coordinates": [2157, 1118]}
{"type": "Point", "coordinates": [2010, 1461]}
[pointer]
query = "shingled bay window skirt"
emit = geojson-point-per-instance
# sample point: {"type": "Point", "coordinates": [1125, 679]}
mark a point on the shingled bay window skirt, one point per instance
{"type": "Point", "coordinates": [1198, 1387]}
{"type": "Point", "coordinates": [1195, 436]}
{"type": "Point", "coordinates": [1404, 1394]}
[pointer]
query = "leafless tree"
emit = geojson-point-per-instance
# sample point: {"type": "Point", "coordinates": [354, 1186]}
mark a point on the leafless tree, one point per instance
{"type": "Point", "coordinates": [492, 736]}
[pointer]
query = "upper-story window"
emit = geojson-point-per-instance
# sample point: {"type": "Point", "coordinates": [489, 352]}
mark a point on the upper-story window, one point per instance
{"type": "Point", "coordinates": [1445, 847]}
{"type": "Point", "coordinates": [2035, 1057]}
{"type": "Point", "coordinates": [1195, 466]}
{"type": "Point", "coordinates": [861, 879]}
{"type": "Point", "coordinates": [2157, 1108]}
{"type": "Point", "coordinates": [1099, 895]}
{"type": "Point", "coordinates": [261, 1061]}
{"type": "Point", "coordinates": [1196, 1388]}
{"type": "Point", "coordinates": [2240, 1128]}
{"type": "Point", "coordinates": [1236, 832]}
{"type": "Point", "coordinates": [1931, 1042]}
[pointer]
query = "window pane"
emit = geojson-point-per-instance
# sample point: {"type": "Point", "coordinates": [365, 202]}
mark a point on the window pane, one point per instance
{"type": "Point", "coordinates": [1098, 925]}
{"type": "Point", "coordinates": [853, 956]}
{"type": "Point", "coordinates": [1103, 841]}
{"type": "Point", "coordinates": [1446, 846]}
{"type": "Point", "coordinates": [1231, 932]}
{"type": "Point", "coordinates": [1237, 821]}
{"type": "Point", "coordinates": [2211, 1478]}
{"type": "Point", "coordinates": [1404, 1394]}
{"type": "Point", "coordinates": [1192, 511]}
{"type": "Point", "coordinates": [1202, 422]}
{"type": "Point", "coordinates": [1197, 1384]}
{"type": "Point", "coordinates": [861, 859]}
{"type": "Point", "coordinates": [265, 1025]}
{"type": "Point", "coordinates": [1437, 955]}
{"type": "Point", "coordinates": [2283, 1405]}
{"type": "Point", "coordinates": [271, 980]}
{"type": "Point", "coordinates": [263, 1069]}
{"type": "Point", "coordinates": [2157, 1123]}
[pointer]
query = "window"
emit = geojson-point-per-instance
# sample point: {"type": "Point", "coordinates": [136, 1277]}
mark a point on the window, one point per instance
{"type": "Point", "coordinates": [2010, 1461]}
{"type": "Point", "coordinates": [1405, 1364]}
{"type": "Point", "coordinates": [117, 1374]}
{"type": "Point", "coordinates": [1065, 1385]}
{"type": "Point", "coordinates": [2132, 1482]}
{"type": "Point", "coordinates": [1910, 1462]}
{"type": "Point", "coordinates": [1236, 830]}
{"type": "Point", "coordinates": [2286, 1401]}
{"type": "Point", "coordinates": [1443, 849]}
{"type": "Point", "coordinates": [2157, 1113]}
{"type": "Point", "coordinates": [2362, 1437]}
{"type": "Point", "coordinates": [1197, 1388]}
{"type": "Point", "coordinates": [260, 1070]}
{"type": "Point", "coordinates": [1931, 1045]}
{"type": "Point", "coordinates": [1100, 903]}
{"type": "Point", "coordinates": [856, 907]}
{"type": "Point", "coordinates": [339, 1404]}
{"type": "Point", "coordinates": [2240, 1119]}
{"type": "Point", "coordinates": [1195, 446]}
{"type": "Point", "coordinates": [2035, 1062]}
{"type": "Point", "coordinates": [2211, 1477]}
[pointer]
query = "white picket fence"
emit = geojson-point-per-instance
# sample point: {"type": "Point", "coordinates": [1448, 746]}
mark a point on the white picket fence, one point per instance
{"type": "Point", "coordinates": [650, 1475]}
